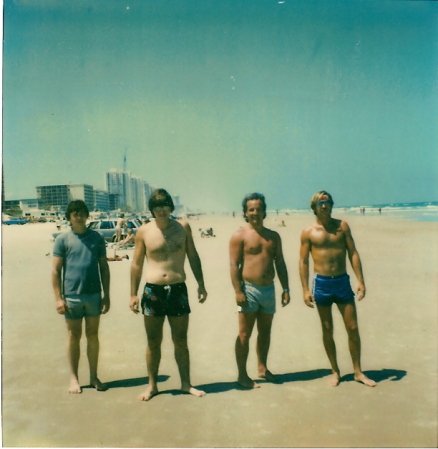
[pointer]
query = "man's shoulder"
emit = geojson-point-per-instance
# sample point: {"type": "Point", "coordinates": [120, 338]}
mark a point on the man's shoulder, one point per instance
{"type": "Point", "coordinates": [241, 232]}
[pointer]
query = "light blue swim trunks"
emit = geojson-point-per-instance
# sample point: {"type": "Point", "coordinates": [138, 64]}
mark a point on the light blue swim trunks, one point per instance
{"type": "Point", "coordinates": [87, 305]}
{"type": "Point", "coordinates": [259, 299]}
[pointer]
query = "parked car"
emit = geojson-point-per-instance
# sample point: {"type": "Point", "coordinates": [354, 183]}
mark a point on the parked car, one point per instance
{"type": "Point", "coordinates": [12, 221]}
{"type": "Point", "coordinates": [107, 228]}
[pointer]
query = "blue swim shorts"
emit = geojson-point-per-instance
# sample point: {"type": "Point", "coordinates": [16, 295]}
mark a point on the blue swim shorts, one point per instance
{"type": "Point", "coordinates": [332, 289]}
{"type": "Point", "coordinates": [162, 300]}
{"type": "Point", "coordinates": [259, 298]}
{"type": "Point", "coordinates": [87, 305]}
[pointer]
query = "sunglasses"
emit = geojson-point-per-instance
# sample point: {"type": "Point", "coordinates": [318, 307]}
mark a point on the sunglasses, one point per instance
{"type": "Point", "coordinates": [324, 203]}
{"type": "Point", "coordinates": [162, 208]}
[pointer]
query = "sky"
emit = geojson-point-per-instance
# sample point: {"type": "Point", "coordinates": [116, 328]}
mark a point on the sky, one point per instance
{"type": "Point", "coordinates": [214, 99]}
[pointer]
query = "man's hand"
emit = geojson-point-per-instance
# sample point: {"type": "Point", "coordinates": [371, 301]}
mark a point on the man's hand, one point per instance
{"type": "Point", "coordinates": [360, 291]}
{"type": "Point", "coordinates": [134, 304]}
{"type": "Point", "coordinates": [61, 306]}
{"type": "Point", "coordinates": [285, 298]}
{"type": "Point", "coordinates": [309, 299]}
{"type": "Point", "coordinates": [202, 294]}
{"type": "Point", "coordinates": [241, 299]}
{"type": "Point", "coordinates": [105, 304]}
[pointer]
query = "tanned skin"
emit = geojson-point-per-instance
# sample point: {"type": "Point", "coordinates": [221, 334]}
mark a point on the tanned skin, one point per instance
{"type": "Point", "coordinates": [330, 242]}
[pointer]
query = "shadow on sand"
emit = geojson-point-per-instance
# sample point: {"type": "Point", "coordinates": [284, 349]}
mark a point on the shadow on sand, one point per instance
{"type": "Point", "coordinates": [394, 375]}
{"type": "Point", "coordinates": [128, 383]}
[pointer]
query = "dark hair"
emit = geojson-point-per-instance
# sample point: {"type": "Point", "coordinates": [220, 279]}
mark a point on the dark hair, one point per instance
{"type": "Point", "coordinates": [253, 196]}
{"type": "Point", "coordinates": [317, 197]}
{"type": "Point", "coordinates": [160, 198]}
{"type": "Point", "coordinates": [76, 206]}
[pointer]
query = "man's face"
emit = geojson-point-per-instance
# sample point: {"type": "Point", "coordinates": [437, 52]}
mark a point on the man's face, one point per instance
{"type": "Point", "coordinates": [324, 206]}
{"type": "Point", "coordinates": [254, 211]}
{"type": "Point", "coordinates": [162, 212]}
{"type": "Point", "coordinates": [78, 220]}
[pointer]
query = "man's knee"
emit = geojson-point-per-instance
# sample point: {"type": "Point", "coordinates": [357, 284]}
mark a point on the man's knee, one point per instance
{"type": "Point", "coordinates": [74, 335]}
{"type": "Point", "coordinates": [352, 328]}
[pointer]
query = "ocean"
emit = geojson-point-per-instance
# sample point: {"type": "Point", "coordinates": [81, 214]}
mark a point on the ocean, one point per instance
{"type": "Point", "coordinates": [421, 211]}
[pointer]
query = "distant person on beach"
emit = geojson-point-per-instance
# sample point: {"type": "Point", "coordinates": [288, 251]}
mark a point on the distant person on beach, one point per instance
{"type": "Point", "coordinates": [330, 241]}
{"type": "Point", "coordinates": [120, 226]}
{"type": "Point", "coordinates": [117, 258]}
{"type": "Point", "coordinates": [165, 243]}
{"type": "Point", "coordinates": [255, 254]}
{"type": "Point", "coordinates": [129, 239]}
{"type": "Point", "coordinates": [80, 272]}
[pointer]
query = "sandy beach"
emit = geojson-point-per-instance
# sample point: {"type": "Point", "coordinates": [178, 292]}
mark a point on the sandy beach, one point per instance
{"type": "Point", "coordinates": [398, 325]}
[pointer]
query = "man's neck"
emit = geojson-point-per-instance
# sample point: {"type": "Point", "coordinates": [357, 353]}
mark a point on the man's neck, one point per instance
{"type": "Point", "coordinates": [163, 223]}
{"type": "Point", "coordinates": [257, 228]}
{"type": "Point", "coordinates": [79, 229]}
{"type": "Point", "coordinates": [325, 221]}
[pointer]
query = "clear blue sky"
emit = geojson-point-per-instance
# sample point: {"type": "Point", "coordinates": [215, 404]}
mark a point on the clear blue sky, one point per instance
{"type": "Point", "coordinates": [215, 99]}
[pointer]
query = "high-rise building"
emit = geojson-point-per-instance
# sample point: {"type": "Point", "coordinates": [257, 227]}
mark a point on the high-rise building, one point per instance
{"type": "Point", "coordinates": [118, 184]}
{"type": "Point", "coordinates": [138, 198]}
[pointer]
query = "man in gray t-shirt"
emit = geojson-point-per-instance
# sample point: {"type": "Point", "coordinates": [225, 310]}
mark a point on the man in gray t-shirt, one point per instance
{"type": "Point", "coordinates": [80, 273]}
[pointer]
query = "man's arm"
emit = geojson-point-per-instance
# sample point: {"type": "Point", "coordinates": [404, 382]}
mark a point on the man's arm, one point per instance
{"type": "Point", "coordinates": [195, 262]}
{"type": "Point", "coordinates": [236, 265]}
{"type": "Point", "coordinates": [56, 284]}
{"type": "Point", "coordinates": [105, 279]}
{"type": "Point", "coordinates": [137, 269]}
{"type": "Point", "coordinates": [304, 268]}
{"type": "Point", "coordinates": [282, 274]}
{"type": "Point", "coordinates": [356, 264]}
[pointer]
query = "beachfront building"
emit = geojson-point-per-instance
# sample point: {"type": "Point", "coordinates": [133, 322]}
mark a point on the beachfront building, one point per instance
{"type": "Point", "coordinates": [84, 192]}
{"type": "Point", "coordinates": [54, 197]}
{"type": "Point", "coordinates": [20, 207]}
{"type": "Point", "coordinates": [101, 200]}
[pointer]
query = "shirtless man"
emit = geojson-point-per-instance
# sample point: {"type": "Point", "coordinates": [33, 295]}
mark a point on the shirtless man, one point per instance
{"type": "Point", "coordinates": [165, 244]}
{"type": "Point", "coordinates": [330, 241]}
{"type": "Point", "coordinates": [79, 273]}
{"type": "Point", "coordinates": [255, 254]}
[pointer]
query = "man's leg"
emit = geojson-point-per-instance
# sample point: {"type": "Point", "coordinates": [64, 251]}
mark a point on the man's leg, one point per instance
{"type": "Point", "coordinates": [349, 314]}
{"type": "Point", "coordinates": [154, 333]}
{"type": "Point", "coordinates": [325, 314]}
{"type": "Point", "coordinates": [264, 325]}
{"type": "Point", "coordinates": [179, 326]}
{"type": "Point", "coordinates": [246, 325]}
{"type": "Point", "coordinates": [74, 328]}
{"type": "Point", "coordinates": [92, 333]}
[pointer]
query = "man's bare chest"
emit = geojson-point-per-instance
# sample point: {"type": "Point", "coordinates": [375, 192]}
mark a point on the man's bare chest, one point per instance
{"type": "Point", "coordinates": [258, 246]}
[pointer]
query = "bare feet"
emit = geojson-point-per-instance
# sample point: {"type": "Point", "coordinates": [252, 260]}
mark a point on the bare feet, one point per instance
{"type": "Point", "coordinates": [247, 382]}
{"type": "Point", "coordinates": [98, 385]}
{"type": "Point", "coordinates": [74, 387]}
{"type": "Point", "coordinates": [268, 376]}
{"type": "Point", "coordinates": [148, 394]}
{"type": "Point", "coordinates": [194, 392]}
{"type": "Point", "coordinates": [334, 379]}
{"type": "Point", "coordinates": [364, 380]}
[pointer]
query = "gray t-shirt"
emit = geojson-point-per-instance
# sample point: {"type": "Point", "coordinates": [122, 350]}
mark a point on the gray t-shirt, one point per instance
{"type": "Point", "coordinates": [80, 267]}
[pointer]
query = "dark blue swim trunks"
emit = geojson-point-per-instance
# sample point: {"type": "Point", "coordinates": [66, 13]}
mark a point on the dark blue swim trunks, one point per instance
{"type": "Point", "coordinates": [161, 300]}
{"type": "Point", "coordinates": [332, 289]}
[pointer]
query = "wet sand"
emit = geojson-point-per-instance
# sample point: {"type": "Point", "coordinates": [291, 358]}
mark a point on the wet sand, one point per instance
{"type": "Point", "coordinates": [397, 320]}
